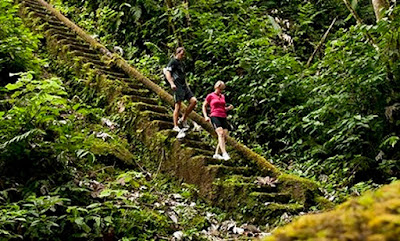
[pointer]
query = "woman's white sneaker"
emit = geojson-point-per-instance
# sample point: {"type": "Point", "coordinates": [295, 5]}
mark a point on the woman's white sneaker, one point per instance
{"type": "Point", "coordinates": [225, 156]}
{"type": "Point", "coordinates": [176, 128]}
{"type": "Point", "coordinates": [218, 156]}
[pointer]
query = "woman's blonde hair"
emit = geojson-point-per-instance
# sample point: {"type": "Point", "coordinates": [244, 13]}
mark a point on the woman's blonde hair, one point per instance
{"type": "Point", "coordinates": [220, 84]}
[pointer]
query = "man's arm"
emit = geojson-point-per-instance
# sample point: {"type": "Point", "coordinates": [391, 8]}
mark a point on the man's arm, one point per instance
{"type": "Point", "coordinates": [170, 79]}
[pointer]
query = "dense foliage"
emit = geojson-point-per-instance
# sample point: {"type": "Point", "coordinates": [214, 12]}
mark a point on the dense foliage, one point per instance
{"type": "Point", "coordinates": [336, 121]}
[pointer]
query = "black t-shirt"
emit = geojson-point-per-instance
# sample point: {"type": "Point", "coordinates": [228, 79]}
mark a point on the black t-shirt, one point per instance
{"type": "Point", "coordinates": [177, 70]}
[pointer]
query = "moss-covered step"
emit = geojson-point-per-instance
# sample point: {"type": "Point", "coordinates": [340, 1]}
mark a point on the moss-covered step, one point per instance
{"type": "Point", "coordinates": [221, 170]}
{"type": "Point", "coordinates": [200, 151]}
{"type": "Point", "coordinates": [151, 115]}
{"type": "Point", "coordinates": [34, 8]}
{"type": "Point", "coordinates": [92, 63]}
{"type": "Point", "coordinates": [301, 189]}
{"type": "Point", "coordinates": [54, 23]}
{"type": "Point", "coordinates": [59, 28]}
{"type": "Point", "coordinates": [148, 107]}
{"type": "Point", "coordinates": [148, 100]}
{"type": "Point", "coordinates": [137, 92]}
{"type": "Point", "coordinates": [115, 74]}
{"type": "Point", "coordinates": [263, 197]}
{"type": "Point", "coordinates": [52, 32]}
{"type": "Point", "coordinates": [45, 17]}
{"type": "Point", "coordinates": [162, 125]}
{"type": "Point", "coordinates": [79, 51]}
{"type": "Point", "coordinates": [196, 144]}
{"type": "Point", "coordinates": [194, 136]}
{"type": "Point", "coordinates": [34, 3]}
{"type": "Point", "coordinates": [266, 213]}
{"type": "Point", "coordinates": [76, 44]}
{"type": "Point", "coordinates": [73, 41]}
{"type": "Point", "coordinates": [134, 85]}
{"type": "Point", "coordinates": [249, 183]}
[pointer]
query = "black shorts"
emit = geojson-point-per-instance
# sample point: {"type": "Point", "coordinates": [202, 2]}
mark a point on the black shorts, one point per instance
{"type": "Point", "coordinates": [219, 122]}
{"type": "Point", "coordinates": [181, 94]}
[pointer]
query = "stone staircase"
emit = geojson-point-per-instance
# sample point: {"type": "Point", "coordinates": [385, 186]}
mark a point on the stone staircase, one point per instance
{"type": "Point", "coordinates": [231, 184]}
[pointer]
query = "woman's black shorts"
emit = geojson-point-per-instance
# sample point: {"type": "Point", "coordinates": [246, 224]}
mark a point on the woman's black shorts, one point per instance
{"type": "Point", "coordinates": [219, 122]}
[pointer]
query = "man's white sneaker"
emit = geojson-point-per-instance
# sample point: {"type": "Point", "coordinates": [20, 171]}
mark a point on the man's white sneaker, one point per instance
{"type": "Point", "coordinates": [176, 128]}
{"type": "Point", "coordinates": [184, 124]}
{"type": "Point", "coordinates": [225, 156]}
{"type": "Point", "coordinates": [218, 156]}
{"type": "Point", "coordinates": [181, 134]}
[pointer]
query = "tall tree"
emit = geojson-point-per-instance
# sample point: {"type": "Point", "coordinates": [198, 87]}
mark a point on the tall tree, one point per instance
{"type": "Point", "coordinates": [379, 7]}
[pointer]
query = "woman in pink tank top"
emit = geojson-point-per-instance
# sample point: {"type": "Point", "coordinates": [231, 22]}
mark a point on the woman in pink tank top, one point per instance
{"type": "Point", "coordinates": [216, 101]}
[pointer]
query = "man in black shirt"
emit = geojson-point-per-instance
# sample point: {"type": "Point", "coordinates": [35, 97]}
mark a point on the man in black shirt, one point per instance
{"type": "Point", "coordinates": [175, 74]}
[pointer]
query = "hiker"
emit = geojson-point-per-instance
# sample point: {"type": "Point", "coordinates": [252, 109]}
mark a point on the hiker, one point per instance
{"type": "Point", "coordinates": [218, 115]}
{"type": "Point", "coordinates": [175, 74]}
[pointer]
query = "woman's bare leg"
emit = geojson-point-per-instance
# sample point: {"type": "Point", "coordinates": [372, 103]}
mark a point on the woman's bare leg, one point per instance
{"type": "Point", "coordinates": [221, 139]}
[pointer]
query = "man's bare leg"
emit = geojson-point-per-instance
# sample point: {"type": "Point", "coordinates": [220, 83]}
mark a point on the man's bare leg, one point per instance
{"type": "Point", "coordinates": [192, 104]}
{"type": "Point", "coordinates": [176, 113]}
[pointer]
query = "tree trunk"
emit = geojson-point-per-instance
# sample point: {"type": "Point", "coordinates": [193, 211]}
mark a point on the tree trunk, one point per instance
{"type": "Point", "coordinates": [360, 22]}
{"type": "Point", "coordinates": [171, 24]}
{"type": "Point", "coordinates": [188, 19]}
{"type": "Point", "coordinates": [379, 7]}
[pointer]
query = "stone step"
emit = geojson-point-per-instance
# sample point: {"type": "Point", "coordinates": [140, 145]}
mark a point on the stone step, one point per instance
{"type": "Point", "coordinates": [247, 183]}
{"type": "Point", "coordinates": [75, 44]}
{"type": "Point", "coordinates": [129, 80]}
{"type": "Point", "coordinates": [163, 125]}
{"type": "Point", "coordinates": [137, 92]}
{"type": "Point", "coordinates": [79, 51]}
{"type": "Point", "coordinates": [52, 31]}
{"type": "Point", "coordinates": [57, 23]}
{"type": "Point", "coordinates": [95, 64]}
{"type": "Point", "coordinates": [67, 39]}
{"type": "Point", "coordinates": [34, 6]}
{"type": "Point", "coordinates": [135, 85]}
{"type": "Point", "coordinates": [263, 197]}
{"type": "Point", "coordinates": [208, 160]}
{"type": "Point", "coordinates": [59, 28]}
{"type": "Point", "coordinates": [231, 162]}
{"type": "Point", "coordinates": [42, 16]}
{"type": "Point", "coordinates": [125, 79]}
{"type": "Point", "coordinates": [32, 3]}
{"type": "Point", "coordinates": [84, 51]}
{"type": "Point", "coordinates": [194, 136]}
{"type": "Point", "coordinates": [38, 10]}
{"type": "Point", "coordinates": [151, 115]}
{"type": "Point", "coordinates": [201, 152]}
{"type": "Point", "coordinates": [197, 144]}
{"type": "Point", "coordinates": [147, 100]}
{"type": "Point", "coordinates": [148, 107]}
{"type": "Point", "coordinates": [112, 73]}
{"type": "Point", "coordinates": [222, 170]}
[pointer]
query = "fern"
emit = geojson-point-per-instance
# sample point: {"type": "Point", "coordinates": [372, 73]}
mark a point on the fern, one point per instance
{"type": "Point", "coordinates": [22, 137]}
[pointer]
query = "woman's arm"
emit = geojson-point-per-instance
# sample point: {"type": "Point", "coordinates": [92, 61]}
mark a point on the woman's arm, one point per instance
{"type": "Point", "coordinates": [230, 107]}
{"type": "Point", "coordinates": [205, 104]}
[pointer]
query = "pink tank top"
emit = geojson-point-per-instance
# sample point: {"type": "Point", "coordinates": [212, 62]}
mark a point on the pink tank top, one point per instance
{"type": "Point", "coordinates": [217, 104]}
